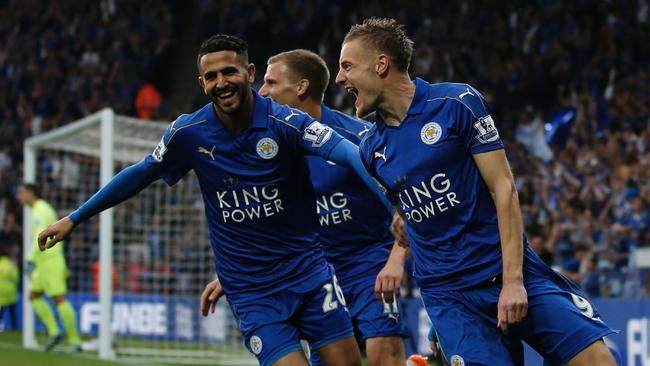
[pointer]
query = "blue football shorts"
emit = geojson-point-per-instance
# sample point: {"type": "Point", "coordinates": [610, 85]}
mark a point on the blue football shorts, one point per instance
{"type": "Point", "coordinates": [313, 309]}
{"type": "Point", "coordinates": [370, 317]}
{"type": "Point", "coordinates": [560, 322]}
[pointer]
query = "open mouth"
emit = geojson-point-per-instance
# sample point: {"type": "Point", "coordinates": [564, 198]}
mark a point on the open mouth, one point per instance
{"type": "Point", "coordinates": [226, 94]}
{"type": "Point", "coordinates": [354, 91]}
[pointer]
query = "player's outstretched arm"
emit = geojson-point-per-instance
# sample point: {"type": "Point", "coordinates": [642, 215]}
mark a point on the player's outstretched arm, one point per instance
{"type": "Point", "coordinates": [347, 153]}
{"type": "Point", "coordinates": [389, 279]}
{"type": "Point", "coordinates": [513, 300]}
{"type": "Point", "coordinates": [123, 186]}
{"type": "Point", "coordinates": [211, 294]}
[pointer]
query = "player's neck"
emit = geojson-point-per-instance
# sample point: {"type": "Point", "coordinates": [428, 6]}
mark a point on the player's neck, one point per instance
{"type": "Point", "coordinates": [397, 99]}
{"type": "Point", "coordinates": [241, 119]}
{"type": "Point", "coordinates": [312, 108]}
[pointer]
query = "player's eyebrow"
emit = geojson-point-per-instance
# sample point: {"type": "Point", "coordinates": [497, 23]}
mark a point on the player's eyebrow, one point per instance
{"type": "Point", "coordinates": [225, 71]}
{"type": "Point", "coordinates": [229, 70]}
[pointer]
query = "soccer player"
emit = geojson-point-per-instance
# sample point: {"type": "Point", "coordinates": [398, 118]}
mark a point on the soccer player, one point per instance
{"type": "Point", "coordinates": [48, 273]}
{"type": "Point", "coordinates": [354, 226]}
{"type": "Point", "coordinates": [248, 153]}
{"type": "Point", "coordinates": [437, 151]}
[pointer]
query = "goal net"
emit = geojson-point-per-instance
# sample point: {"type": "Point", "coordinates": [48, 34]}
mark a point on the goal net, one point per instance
{"type": "Point", "coordinates": [135, 272]}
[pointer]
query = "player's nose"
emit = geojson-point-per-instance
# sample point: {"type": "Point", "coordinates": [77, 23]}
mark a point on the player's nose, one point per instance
{"type": "Point", "coordinates": [220, 81]}
{"type": "Point", "coordinates": [340, 78]}
{"type": "Point", "coordinates": [264, 91]}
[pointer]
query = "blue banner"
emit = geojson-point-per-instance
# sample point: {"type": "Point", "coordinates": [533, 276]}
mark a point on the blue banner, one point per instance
{"type": "Point", "coordinates": [152, 317]}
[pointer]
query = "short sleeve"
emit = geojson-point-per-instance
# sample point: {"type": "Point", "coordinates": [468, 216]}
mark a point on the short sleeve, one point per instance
{"type": "Point", "coordinates": [311, 136]}
{"type": "Point", "coordinates": [168, 154]}
{"type": "Point", "coordinates": [475, 124]}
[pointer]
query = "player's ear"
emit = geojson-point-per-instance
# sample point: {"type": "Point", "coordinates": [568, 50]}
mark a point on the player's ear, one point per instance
{"type": "Point", "coordinates": [303, 87]}
{"type": "Point", "coordinates": [202, 84]}
{"type": "Point", "coordinates": [251, 73]}
{"type": "Point", "coordinates": [382, 64]}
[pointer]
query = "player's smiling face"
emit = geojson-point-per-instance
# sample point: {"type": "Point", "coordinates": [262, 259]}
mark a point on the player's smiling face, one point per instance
{"type": "Point", "coordinates": [357, 74]}
{"type": "Point", "coordinates": [226, 79]}
{"type": "Point", "coordinates": [280, 85]}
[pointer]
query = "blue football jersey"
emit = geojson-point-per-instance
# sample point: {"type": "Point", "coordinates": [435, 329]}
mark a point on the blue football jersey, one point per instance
{"type": "Point", "coordinates": [259, 200]}
{"type": "Point", "coordinates": [426, 164]}
{"type": "Point", "coordinates": [355, 226]}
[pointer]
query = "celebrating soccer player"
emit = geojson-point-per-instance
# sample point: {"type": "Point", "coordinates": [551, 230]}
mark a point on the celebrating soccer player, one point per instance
{"type": "Point", "coordinates": [436, 149]}
{"type": "Point", "coordinates": [354, 225]}
{"type": "Point", "coordinates": [248, 153]}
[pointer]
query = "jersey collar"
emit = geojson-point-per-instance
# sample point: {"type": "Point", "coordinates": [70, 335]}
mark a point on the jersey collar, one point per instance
{"type": "Point", "coordinates": [260, 111]}
{"type": "Point", "coordinates": [325, 115]}
{"type": "Point", "coordinates": [417, 104]}
{"type": "Point", "coordinates": [420, 97]}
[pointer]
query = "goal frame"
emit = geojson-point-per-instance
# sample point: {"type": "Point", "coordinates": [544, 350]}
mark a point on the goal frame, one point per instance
{"type": "Point", "coordinates": [105, 118]}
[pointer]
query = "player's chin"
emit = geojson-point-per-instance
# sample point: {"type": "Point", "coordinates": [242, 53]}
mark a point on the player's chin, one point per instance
{"type": "Point", "coordinates": [229, 106]}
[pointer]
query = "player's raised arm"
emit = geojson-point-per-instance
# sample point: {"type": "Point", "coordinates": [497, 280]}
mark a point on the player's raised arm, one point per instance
{"type": "Point", "coordinates": [124, 185]}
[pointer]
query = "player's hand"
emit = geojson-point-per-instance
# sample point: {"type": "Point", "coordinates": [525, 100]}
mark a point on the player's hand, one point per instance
{"type": "Point", "coordinates": [388, 282]}
{"type": "Point", "coordinates": [55, 233]}
{"type": "Point", "coordinates": [398, 230]}
{"type": "Point", "coordinates": [211, 294]}
{"type": "Point", "coordinates": [513, 305]}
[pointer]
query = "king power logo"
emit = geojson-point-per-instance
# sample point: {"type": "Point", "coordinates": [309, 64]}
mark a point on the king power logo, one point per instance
{"type": "Point", "coordinates": [332, 209]}
{"type": "Point", "coordinates": [428, 198]}
{"type": "Point", "coordinates": [249, 203]}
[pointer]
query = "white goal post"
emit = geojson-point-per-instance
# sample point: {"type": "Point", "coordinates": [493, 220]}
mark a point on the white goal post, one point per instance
{"type": "Point", "coordinates": [104, 140]}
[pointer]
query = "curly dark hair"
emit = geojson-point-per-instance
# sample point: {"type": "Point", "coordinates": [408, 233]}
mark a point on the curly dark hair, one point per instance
{"type": "Point", "coordinates": [223, 42]}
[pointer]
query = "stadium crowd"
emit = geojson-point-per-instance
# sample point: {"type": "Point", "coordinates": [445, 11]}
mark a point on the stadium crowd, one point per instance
{"type": "Point", "coordinates": [568, 84]}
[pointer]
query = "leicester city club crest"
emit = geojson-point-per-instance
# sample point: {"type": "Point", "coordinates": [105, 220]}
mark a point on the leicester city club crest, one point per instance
{"type": "Point", "coordinates": [431, 133]}
{"type": "Point", "coordinates": [256, 344]}
{"type": "Point", "coordinates": [267, 148]}
{"type": "Point", "coordinates": [456, 360]}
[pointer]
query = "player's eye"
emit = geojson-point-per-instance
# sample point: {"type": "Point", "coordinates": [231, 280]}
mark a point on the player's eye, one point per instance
{"type": "Point", "coordinates": [229, 71]}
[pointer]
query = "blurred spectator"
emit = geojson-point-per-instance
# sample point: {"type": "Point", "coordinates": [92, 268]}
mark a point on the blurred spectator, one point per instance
{"type": "Point", "coordinates": [591, 276]}
{"type": "Point", "coordinates": [147, 102]}
{"type": "Point", "coordinates": [115, 278]}
{"type": "Point", "coordinates": [573, 267]}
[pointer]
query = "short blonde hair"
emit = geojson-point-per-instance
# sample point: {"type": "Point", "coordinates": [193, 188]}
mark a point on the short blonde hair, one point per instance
{"type": "Point", "coordinates": [385, 35]}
